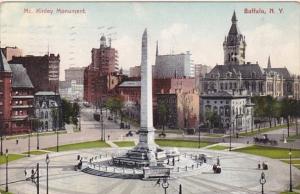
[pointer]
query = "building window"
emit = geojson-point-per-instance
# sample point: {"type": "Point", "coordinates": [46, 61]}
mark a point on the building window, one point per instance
{"type": "Point", "coordinates": [46, 115]}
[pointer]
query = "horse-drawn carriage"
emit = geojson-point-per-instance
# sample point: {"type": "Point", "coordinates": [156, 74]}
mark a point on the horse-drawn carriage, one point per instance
{"type": "Point", "coordinates": [264, 140]}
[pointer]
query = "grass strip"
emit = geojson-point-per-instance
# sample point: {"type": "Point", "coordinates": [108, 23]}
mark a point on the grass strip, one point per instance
{"type": "Point", "coordinates": [11, 157]}
{"type": "Point", "coordinates": [124, 143]}
{"type": "Point", "coordinates": [218, 147]}
{"type": "Point", "coordinates": [181, 143]}
{"type": "Point", "coordinates": [271, 152]}
{"type": "Point", "coordinates": [78, 146]}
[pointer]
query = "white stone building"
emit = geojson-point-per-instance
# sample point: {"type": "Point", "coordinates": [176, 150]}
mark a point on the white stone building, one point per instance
{"type": "Point", "coordinates": [234, 109]}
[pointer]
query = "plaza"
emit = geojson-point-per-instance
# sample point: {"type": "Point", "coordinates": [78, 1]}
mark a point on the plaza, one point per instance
{"type": "Point", "coordinates": [239, 175]}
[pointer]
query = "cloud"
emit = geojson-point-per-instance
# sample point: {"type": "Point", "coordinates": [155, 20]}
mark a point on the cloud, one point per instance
{"type": "Point", "coordinates": [270, 40]}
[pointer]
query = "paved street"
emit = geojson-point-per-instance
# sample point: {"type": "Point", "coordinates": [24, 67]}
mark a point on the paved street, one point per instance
{"type": "Point", "coordinates": [239, 175]}
{"type": "Point", "coordinates": [90, 130]}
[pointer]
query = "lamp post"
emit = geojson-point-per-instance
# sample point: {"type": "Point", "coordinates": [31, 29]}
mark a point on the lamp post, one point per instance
{"type": "Point", "coordinates": [1, 151]}
{"type": "Point", "coordinates": [165, 184]}
{"type": "Point", "coordinates": [291, 184]}
{"type": "Point", "coordinates": [6, 157]}
{"type": "Point", "coordinates": [29, 134]}
{"type": "Point", "coordinates": [37, 178]}
{"type": "Point", "coordinates": [38, 135]}
{"type": "Point", "coordinates": [262, 181]}
{"type": "Point", "coordinates": [199, 138]}
{"type": "Point", "coordinates": [47, 163]}
{"type": "Point", "coordinates": [180, 189]}
{"type": "Point", "coordinates": [230, 137]}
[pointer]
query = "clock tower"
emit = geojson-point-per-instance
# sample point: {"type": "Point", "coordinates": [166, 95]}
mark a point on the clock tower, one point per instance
{"type": "Point", "coordinates": [234, 45]}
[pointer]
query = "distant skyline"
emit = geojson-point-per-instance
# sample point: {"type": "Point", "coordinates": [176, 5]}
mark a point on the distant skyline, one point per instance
{"type": "Point", "coordinates": [198, 27]}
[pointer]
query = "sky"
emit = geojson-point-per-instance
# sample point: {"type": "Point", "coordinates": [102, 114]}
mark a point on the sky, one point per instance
{"type": "Point", "coordinates": [198, 27]}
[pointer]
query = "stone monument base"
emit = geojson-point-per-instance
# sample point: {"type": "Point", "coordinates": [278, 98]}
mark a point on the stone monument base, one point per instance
{"type": "Point", "coordinates": [138, 159]}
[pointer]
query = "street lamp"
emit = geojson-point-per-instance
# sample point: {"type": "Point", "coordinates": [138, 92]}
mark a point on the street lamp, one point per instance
{"type": "Point", "coordinates": [6, 157]}
{"type": "Point", "coordinates": [165, 184]}
{"type": "Point", "coordinates": [199, 138]}
{"type": "Point", "coordinates": [47, 163]}
{"type": "Point", "coordinates": [29, 133]}
{"type": "Point", "coordinates": [37, 135]}
{"type": "Point", "coordinates": [262, 181]}
{"type": "Point", "coordinates": [291, 184]}
{"type": "Point", "coordinates": [230, 136]}
{"type": "Point", "coordinates": [1, 152]}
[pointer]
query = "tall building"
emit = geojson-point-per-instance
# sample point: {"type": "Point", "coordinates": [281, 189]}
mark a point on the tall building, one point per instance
{"type": "Point", "coordinates": [74, 73]}
{"type": "Point", "coordinates": [173, 65]}
{"type": "Point", "coordinates": [42, 70]}
{"type": "Point", "coordinates": [135, 71]}
{"type": "Point", "coordinates": [48, 108]}
{"type": "Point", "coordinates": [5, 94]}
{"type": "Point", "coordinates": [16, 98]}
{"type": "Point", "coordinates": [234, 45]}
{"type": "Point", "coordinates": [236, 74]}
{"type": "Point", "coordinates": [101, 76]}
{"type": "Point", "coordinates": [10, 52]}
{"type": "Point", "coordinates": [22, 100]}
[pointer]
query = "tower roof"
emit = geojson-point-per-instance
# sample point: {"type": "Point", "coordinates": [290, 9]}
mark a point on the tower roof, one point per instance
{"type": "Point", "coordinates": [4, 66]}
{"type": "Point", "coordinates": [234, 30]}
{"type": "Point", "coordinates": [269, 62]}
{"type": "Point", "coordinates": [233, 19]}
{"type": "Point", "coordinates": [103, 38]}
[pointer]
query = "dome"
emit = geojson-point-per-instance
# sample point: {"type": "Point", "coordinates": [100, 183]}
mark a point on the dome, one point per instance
{"type": "Point", "coordinates": [103, 38]}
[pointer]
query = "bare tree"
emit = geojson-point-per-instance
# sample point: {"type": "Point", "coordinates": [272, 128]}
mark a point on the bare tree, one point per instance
{"type": "Point", "coordinates": [186, 104]}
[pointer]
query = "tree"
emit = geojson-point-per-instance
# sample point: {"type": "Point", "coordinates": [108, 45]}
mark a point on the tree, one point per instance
{"type": "Point", "coordinates": [115, 105]}
{"type": "Point", "coordinates": [67, 110]}
{"type": "Point", "coordinates": [186, 101]}
{"type": "Point", "coordinates": [269, 108]}
{"type": "Point", "coordinates": [162, 112]}
{"type": "Point", "coordinates": [213, 119]}
{"type": "Point", "coordinates": [54, 115]}
{"type": "Point", "coordinates": [286, 112]}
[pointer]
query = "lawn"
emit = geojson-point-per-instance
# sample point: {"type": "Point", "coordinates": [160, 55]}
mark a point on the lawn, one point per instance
{"type": "Point", "coordinates": [36, 152]}
{"type": "Point", "coordinates": [3, 192]}
{"type": "Point", "coordinates": [218, 147]}
{"type": "Point", "coordinates": [11, 157]}
{"type": "Point", "coordinates": [289, 192]}
{"type": "Point", "coordinates": [180, 143]}
{"type": "Point", "coordinates": [83, 145]}
{"type": "Point", "coordinates": [124, 143]}
{"type": "Point", "coordinates": [271, 152]}
{"type": "Point", "coordinates": [264, 130]}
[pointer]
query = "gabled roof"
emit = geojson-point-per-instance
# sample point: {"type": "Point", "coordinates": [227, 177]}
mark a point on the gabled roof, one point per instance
{"type": "Point", "coordinates": [246, 70]}
{"type": "Point", "coordinates": [4, 66]}
{"type": "Point", "coordinates": [281, 71]}
{"type": "Point", "coordinates": [20, 78]}
{"type": "Point", "coordinates": [130, 84]}
{"type": "Point", "coordinates": [45, 93]}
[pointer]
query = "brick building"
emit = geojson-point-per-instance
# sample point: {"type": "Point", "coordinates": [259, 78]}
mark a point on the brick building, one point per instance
{"type": "Point", "coordinates": [101, 76]}
{"type": "Point", "coordinates": [16, 102]}
{"type": "Point", "coordinates": [168, 91]}
{"type": "Point", "coordinates": [22, 100]}
{"type": "Point", "coordinates": [5, 94]}
{"type": "Point", "coordinates": [74, 73]}
{"type": "Point", "coordinates": [10, 52]}
{"type": "Point", "coordinates": [42, 70]}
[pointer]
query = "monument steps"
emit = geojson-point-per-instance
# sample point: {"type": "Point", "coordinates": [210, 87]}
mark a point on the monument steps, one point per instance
{"type": "Point", "coordinates": [95, 172]}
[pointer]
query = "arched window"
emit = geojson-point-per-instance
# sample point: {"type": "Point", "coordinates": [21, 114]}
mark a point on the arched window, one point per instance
{"type": "Point", "coordinates": [46, 115]}
{"type": "Point", "coordinates": [42, 115]}
{"type": "Point", "coordinates": [215, 109]}
{"type": "Point", "coordinates": [46, 125]}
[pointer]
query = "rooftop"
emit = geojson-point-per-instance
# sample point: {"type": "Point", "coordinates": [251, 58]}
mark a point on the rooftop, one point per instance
{"type": "Point", "coordinates": [130, 84]}
{"type": "Point", "coordinates": [4, 66]}
{"type": "Point", "coordinates": [20, 78]}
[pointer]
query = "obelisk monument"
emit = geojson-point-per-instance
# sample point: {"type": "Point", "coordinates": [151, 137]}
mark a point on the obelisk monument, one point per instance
{"type": "Point", "coordinates": [146, 133]}
{"type": "Point", "coordinates": [146, 152]}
